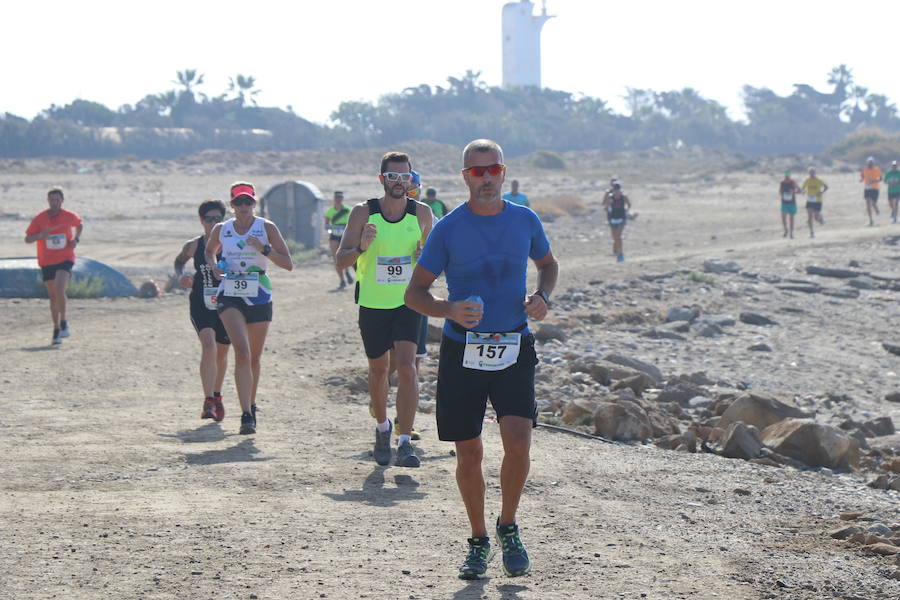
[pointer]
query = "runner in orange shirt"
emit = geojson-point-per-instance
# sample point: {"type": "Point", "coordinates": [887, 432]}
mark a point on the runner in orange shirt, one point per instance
{"type": "Point", "coordinates": [57, 231]}
{"type": "Point", "coordinates": [870, 176]}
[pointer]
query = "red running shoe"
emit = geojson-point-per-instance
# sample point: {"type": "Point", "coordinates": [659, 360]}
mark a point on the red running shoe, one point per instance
{"type": "Point", "coordinates": [218, 409]}
{"type": "Point", "coordinates": [207, 412]}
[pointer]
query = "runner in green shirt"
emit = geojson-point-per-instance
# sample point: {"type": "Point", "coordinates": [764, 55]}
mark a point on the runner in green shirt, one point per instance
{"type": "Point", "coordinates": [437, 206]}
{"type": "Point", "coordinates": [892, 179]}
{"type": "Point", "coordinates": [335, 222]}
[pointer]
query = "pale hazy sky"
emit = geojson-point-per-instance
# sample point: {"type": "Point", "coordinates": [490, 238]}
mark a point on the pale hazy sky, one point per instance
{"type": "Point", "coordinates": [314, 54]}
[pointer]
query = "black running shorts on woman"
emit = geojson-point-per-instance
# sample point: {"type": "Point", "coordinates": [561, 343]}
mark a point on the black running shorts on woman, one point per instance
{"type": "Point", "coordinates": [48, 273]}
{"type": "Point", "coordinates": [462, 393]}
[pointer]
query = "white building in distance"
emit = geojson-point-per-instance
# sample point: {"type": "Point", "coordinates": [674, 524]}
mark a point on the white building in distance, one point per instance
{"type": "Point", "coordinates": [522, 43]}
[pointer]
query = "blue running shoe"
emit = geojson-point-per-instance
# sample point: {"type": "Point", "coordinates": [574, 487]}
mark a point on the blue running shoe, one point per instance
{"type": "Point", "coordinates": [515, 558]}
{"type": "Point", "coordinates": [479, 555]}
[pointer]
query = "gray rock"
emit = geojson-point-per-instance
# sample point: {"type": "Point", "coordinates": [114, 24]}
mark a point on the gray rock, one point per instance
{"type": "Point", "coordinates": [892, 348]}
{"type": "Point", "coordinates": [759, 410]}
{"type": "Point", "coordinates": [863, 283]}
{"type": "Point", "coordinates": [710, 330]}
{"type": "Point", "coordinates": [829, 272]}
{"type": "Point", "coordinates": [842, 533]}
{"type": "Point", "coordinates": [700, 402]}
{"type": "Point", "coordinates": [884, 276]}
{"type": "Point", "coordinates": [760, 348]}
{"type": "Point", "coordinates": [886, 482]}
{"type": "Point", "coordinates": [880, 426]}
{"type": "Point", "coordinates": [751, 318]}
{"type": "Point", "coordinates": [547, 332]}
{"type": "Point", "coordinates": [682, 313]}
{"type": "Point", "coordinates": [714, 265]}
{"type": "Point", "coordinates": [621, 421]}
{"type": "Point", "coordinates": [720, 320]}
{"type": "Point", "coordinates": [680, 393]}
{"type": "Point", "coordinates": [840, 292]}
{"type": "Point", "coordinates": [658, 333]}
{"type": "Point", "coordinates": [806, 289]}
{"type": "Point", "coordinates": [881, 529]}
{"type": "Point", "coordinates": [812, 443]}
{"type": "Point", "coordinates": [636, 364]}
{"type": "Point", "coordinates": [893, 397]}
{"type": "Point", "coordinates": [675, 326]}
{"type": "Point", "coordinates": [741, 441]}
{"type": "Point", "coordinates": [637, 383]}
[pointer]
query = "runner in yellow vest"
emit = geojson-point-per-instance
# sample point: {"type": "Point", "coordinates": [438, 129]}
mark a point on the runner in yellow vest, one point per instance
{"type": "Point", "coordinates": [384, 237]}
{"type": "Point", "coordinates": [335, 222]}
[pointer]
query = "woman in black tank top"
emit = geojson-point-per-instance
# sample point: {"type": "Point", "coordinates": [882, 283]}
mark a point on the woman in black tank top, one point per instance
{"type": "Point", "coordinates": [204, 316]}
{"type": "Point", "coordinates": [617, 205]}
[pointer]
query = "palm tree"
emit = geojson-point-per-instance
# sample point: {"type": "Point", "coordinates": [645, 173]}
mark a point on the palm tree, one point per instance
{"type": "Point", "coordinates": [243, 88]}
{"type": "Point", "coordinates": [188, 78]}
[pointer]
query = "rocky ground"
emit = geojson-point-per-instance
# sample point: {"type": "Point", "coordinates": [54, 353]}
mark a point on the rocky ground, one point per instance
{"type": "Point", "coordinates": [717, 412]}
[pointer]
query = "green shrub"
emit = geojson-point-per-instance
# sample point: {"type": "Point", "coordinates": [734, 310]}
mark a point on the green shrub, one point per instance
{"type": "Point", "coordinates": [698, 277]}
{"type": "Point", "coordinates": [547, 159]}
{"type": "Point", "coordinates": [80, 286]}
{"type": "Point", "coordinates": [864, 143]}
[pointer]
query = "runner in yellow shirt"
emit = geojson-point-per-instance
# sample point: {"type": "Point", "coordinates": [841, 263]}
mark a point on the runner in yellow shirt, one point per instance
{"type": "Point", "coordinates": [336, 218]}
{"type": "Point", "coordinates": [814, 188]}
{"type": "Point", "coordinates": [870, 176]}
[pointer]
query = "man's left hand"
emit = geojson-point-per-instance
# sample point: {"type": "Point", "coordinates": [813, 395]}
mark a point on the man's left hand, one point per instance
{"type": "Point", "coordinates": [535, 307]}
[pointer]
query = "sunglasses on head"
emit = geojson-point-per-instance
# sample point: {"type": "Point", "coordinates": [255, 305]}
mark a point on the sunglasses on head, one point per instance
{"type": "Point", "coordinates": [394, 176]}
{"type": "Point", "coordinates": [213, 218]}
{"type": "Point", "coordinates": [243, 201]}
{"type": "Point", "coordinates": [492, 170]}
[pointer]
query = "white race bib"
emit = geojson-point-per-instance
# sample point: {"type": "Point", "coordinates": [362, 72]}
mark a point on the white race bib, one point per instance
{"type": "Point", "coordinates": [393, 269]}
{"type": "Point", "coordinates": [787, 196]}
{"type": "Point", "coordinates": [211, 297]}
{"type": "Point", "coordinates": [338, 229]}
{"type": "Point", "coordinates": [242, 285]}
{"type": "Point", "coordinates": [57, 241]}
{"type": "Point", "coordinates": [491, 351]}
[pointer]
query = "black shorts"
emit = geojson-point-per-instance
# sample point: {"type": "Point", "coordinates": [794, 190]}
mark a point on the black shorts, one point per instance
{"type": "Point", "coordinates": [816, 206]}
{"type": "Point", "coordinates": [894, 196]}
{"type": "Point", "coordinates": [253, 313]}
{"type": "Point", "coordinates": [202, 318]}
{"type": "Point", "coordinates": [616, 222]}
{"type": "Point", "coordinates": [462, 393]}
{"type": "Point", "coordinates": [421, 348]}
{"type": "Point", "coordinates": [49, 272]}
{"type": "Point", "coordinates": [381, 327]}
{"type": "Point", "coordinates": [871, 195]}
{"type": "Point", "coordinates": [334, 238]}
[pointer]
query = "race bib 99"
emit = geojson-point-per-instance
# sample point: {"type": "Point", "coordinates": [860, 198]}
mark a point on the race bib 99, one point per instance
{"type": "Point", "coordinates": [393, 269]}
{"type": "Point", "coordinates": [57, 241]}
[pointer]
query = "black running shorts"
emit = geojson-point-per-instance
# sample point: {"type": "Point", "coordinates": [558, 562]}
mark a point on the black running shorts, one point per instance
{"type": "Point", "coordinates": [462, 393]}
{"type": "Point", "coordinates": [253, 313]}
{"type": "Point", "coordinates": [48, 273]}
{"type": "Point", "coordinates": [421, 343]}
{"type": "Point", "coordinates": [871, 194]}
{"type": "Point", "coordinates": [203, 318]}
{"type": "Point", "coordinates": [893, 195]}
{"type": "Point", "coordinates": [381, 327]}
{"type": "Point", "coordinates": [816, 206]}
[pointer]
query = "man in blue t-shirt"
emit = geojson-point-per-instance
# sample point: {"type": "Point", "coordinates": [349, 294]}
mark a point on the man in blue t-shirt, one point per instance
{"type": "Point", "coordinates": [515, 196]}
{"type": "Point", "coordinates": [487, 351]}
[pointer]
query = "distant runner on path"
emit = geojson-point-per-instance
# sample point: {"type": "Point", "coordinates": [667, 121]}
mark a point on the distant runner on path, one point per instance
{"type": "Point", "coordinates": [57, 232]}
{"type": "Point", "coordinates": [204, 286]}
{"type": "Point", "coordinates": [787, 191]}
{"type": "Point", "coordinates": [248, 244]}
{"type": "Point", "coordinates": [814, 188]}
{"type": "Point", "coordinates": [487, 351]}
{"type": "Point", "coordinates": [892, 179]}
{"type": "Point", "coordinates": [514, 196]}
{"type": "Point", "coordinates": [335, 223]}
{"type": "Point", "coordinates": [870, 176]}
{"type": "Point", "coordinates": [383, 238]}
{"type": "Point", "coordinates": [617, 206]}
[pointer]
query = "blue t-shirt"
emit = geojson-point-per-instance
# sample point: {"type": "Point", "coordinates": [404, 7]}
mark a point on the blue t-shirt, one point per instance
{"type": "Point", "coordinates": [487, 257]}
{"type": "Point", "coordinates": [517, 199]}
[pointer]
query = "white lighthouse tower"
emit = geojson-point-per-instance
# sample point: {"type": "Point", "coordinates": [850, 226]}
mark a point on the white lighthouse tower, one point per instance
{"type": "Point", "coordinates": [522, 43]}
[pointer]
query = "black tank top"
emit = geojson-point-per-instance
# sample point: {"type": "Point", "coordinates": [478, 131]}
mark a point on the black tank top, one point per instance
{"type": "Point", "coordinates": [617, 207]}
{"type": "Point", "coordinates": [203, 275]}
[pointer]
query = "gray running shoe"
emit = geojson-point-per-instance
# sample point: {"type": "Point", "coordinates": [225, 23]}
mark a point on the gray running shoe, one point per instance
{"type": "Point", "coordinates": [382, 451]}
{"type": "Point", "coordinates": [406, 457]}
{"type": "Point", "coordinates": [515, 558]}
{"type": "Point", "coordinates": [63, 329]}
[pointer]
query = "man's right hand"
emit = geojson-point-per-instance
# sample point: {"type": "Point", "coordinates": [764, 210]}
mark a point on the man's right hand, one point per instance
{"type": "Point", "coordinates": [466, 313]}
{"type": "Point", "coordinates": [186, 281]}
{"type": "Point", "coordinates": [368, 235]}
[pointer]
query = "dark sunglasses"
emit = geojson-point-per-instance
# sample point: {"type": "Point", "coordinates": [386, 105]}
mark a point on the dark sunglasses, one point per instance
{"type": "Point", "coordinates": [213, 218]}
{"type": "Point", "coordinates": [243, 201]}
{"type": "Point", "coordinates": [492, 170]}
